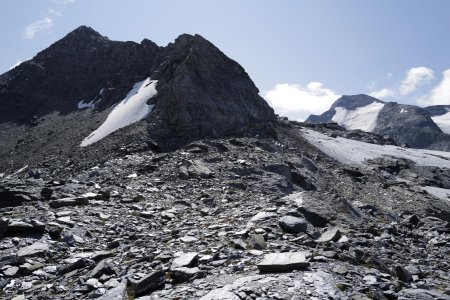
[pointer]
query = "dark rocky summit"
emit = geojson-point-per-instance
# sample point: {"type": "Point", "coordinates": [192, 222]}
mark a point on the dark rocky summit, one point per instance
{"type": "Point", "coordinates": [208, 197]}
{"type": "Point", "coordinates": [406, 124]}
{"type": "Point", "coordinates": [201, 92]}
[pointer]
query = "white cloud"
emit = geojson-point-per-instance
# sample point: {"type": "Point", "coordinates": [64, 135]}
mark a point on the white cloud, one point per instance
{"type": "Point", "coordinates": [413, 78]}
{"type": "Point", "coordinates": [63, 2]}
{"type": "Point", "coordinates": [18, 62]}
{"type": "Point", "coordinates": [297, 102]}
{"type": "Point", "coordinates": [32, 29]}
{"type": "Point", "coordinates": [55, 12]}
{"type": "Point", "coordinates": [440, 94]}
{"type": "Point", "coordinates": [382, 94]}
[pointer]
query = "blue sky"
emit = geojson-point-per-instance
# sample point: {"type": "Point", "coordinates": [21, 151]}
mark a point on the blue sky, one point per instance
{"type": "Point", "coordinates": [301, 54]}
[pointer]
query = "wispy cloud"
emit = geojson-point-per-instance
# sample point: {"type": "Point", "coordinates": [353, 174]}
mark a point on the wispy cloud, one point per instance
{"type": "Point", "coordinates": [298, 102]}
{"type": "Point", "coordinates": [34, 28]}
{"type": "Point", "coordinates": [31, 30]}
{"type": "Point", "coordinates": [63, 2]}
{"type": "Point", "coordinates": [440, 94]}
{"type": "Point", "coordinates": [413, 78]}
{"type": "Point", "coordinates": [382, 93]}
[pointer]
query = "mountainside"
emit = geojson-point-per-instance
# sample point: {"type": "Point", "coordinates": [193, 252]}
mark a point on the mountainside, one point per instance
{"type": "Point", "coordinates": [417, 127]}
{"type": "Point", "coordinates": [133, 172]}
{"type": "Point", "coordinates": [54, 101]}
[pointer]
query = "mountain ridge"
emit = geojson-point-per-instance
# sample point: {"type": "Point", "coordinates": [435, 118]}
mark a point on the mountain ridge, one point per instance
{"type": "Point", "coordinates": [406, 124]}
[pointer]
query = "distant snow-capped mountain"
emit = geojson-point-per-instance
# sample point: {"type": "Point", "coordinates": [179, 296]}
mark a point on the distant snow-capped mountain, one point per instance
{"type": "Point", "coordinates": [427, 127]}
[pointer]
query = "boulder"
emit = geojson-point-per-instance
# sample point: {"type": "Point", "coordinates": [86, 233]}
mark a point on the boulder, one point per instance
{"type": "Point", "coordinates": [286, 261]}
{"type": "Point", "coordinates": [293, 224]}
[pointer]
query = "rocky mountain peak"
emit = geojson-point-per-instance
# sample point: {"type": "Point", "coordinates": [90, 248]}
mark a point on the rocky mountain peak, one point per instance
{"type": "Point", "coordinates": [354, 101]}
{"type": "Point", "coordinates": [200, 91]}
{"type": "Point", "coordinates": [84, 32]}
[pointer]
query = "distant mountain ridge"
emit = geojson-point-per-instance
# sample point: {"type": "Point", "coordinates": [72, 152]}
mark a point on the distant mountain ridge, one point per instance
{"type": "Point", "coordinates": [427, 127]}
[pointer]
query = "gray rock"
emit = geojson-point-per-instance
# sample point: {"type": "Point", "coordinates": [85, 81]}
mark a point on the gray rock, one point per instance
{"type": "Point", "coordinates": [286, 261]}
{"type": "Point", "coordinates": [403, 274]}
{"type": "Point", "coordinates": [422, 294]}
{"type": "Point", "coordinates": [21, 227]}
{"type": "Point", "coordinates": [194, 168]}
{"type": "Point", "coordinates": [116, 293]}
{"type": "Point", "coordinates": [33, 250]}
{"type": "Point", "coordinates": [293, 224]}
{"type": "Point", "coordinates": [257, 241]}
{"type": "Point", "coordinates": [309, 164]}
{"type": "Point", "coordinates": [185, 260]}
{"type": "Point", "coordinates": [69, 202]}
{"type": "Point", "coordinates": [146, 284]}
{"type": "Point", "coordinates": [331, 235]}
{"type": "Point", "coordinates": [102, 268]}
{"type": "Point", "coordinates": [11, 272]}
{"type": "Point", "coordinates": [184, 274]}
{"type": "Point", "coordinates": [220, 294]}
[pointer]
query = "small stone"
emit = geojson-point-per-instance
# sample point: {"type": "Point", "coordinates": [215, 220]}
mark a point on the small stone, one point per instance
{"type": "Point", "coordinates": [188, 239]}
{"type": "Point", "coordinates": [185, 260]}
{"type": "Point", "coordinates": [403, 274]}
{"type": "Point", "coordinates": [94, 283]}
{"type": "Point", "coordinates": [146, 284]}
{"type": "Point", "coordinates": [256, 241]}
{"type": "Point", "coordinates": [33, 250]}
{"type": "Point", "coordinates": [370, 279]}
{"type": "Point", "coordinates": [11, 272]}
{"type": "Point", "coordinates": [329, 236]}
{"type": "Point", "coordinates": [341, 270]}
{"type": "Point", "coordinates": [184, 274]}
{"type": "Point", "coordinates": [293, 224]}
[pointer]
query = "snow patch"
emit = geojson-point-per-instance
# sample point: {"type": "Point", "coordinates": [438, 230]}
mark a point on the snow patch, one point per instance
{"type": "Point", "coordinates": [402, 111]}
{"type": "Point", "coordinates": [83, 105]}
{"type": "Point", "coordinates": [363, 118]}
{"type": "Point", "coordinates": [353, 152]}
{"type": "Point", "coordinates": [438, 192]}
{"type": "Point", "coordinates": [443, 122]}
{"type": "Point", "coordinates": [130, 110]}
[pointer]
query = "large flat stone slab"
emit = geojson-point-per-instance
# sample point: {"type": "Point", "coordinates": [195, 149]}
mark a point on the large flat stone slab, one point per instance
{"type": "Point", "coordinates": [33, 250]}
{"type": "Point", "coordinates": [286, 261]}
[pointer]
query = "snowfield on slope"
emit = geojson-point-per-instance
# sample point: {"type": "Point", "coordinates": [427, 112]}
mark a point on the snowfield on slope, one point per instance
{"type": "Point", "coordinates": [353, 152]}
{"type": "Point", "coordinates": [443, 122]}
{"type": "Point", "coordinates": [130, 110]}
{"type": "Point", "coordinates": [363, 118]}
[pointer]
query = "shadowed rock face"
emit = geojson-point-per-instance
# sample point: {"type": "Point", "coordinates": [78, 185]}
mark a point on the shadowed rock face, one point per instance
{"type": "Point", "coordinates": [409, 124]}
{"type": "Point", "coordinates": [73, 69]}
{"type": "Point", "coordinates": [200, 93]}
{"type": "Point", "coordinates": [437, 110]}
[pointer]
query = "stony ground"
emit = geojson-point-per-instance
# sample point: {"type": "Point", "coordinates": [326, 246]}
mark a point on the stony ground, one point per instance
{"type": "Point", "coordinates": [237, 218]}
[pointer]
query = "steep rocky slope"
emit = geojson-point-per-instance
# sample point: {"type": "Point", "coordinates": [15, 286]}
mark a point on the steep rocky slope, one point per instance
{"type": "Point", "coordinates": [220, 218]}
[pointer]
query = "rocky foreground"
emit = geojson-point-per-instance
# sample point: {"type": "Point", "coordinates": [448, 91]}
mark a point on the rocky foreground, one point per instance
{"type": "Point", "coordinates": [230, 218]}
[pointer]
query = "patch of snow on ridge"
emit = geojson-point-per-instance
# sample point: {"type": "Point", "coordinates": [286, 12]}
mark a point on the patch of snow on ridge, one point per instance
{"type": "Point", "coordinates": [83, 105]}
{"type": "Point", "coordinates": [363, 118]}
{"type": "Point", "coordinates": [438, 192]}
{"type": "Point", "coordinates": [353, 152]}
{"type": "Point", "coordinates": [443, 122]}
{"type": "Point", "coordinates": [130, 110]}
